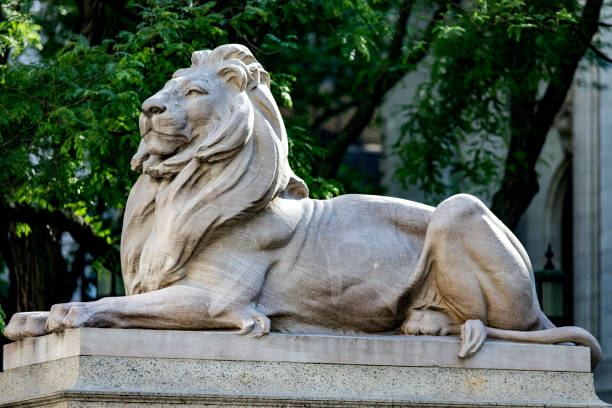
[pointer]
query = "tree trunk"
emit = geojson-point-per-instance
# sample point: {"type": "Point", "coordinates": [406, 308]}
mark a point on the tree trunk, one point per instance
{"type": "Point", "coordinates": [91, 21]}
{"type": "Point", "coordinates": [39, 270]}
{"type": "Point", "coordinates": [515, 194]}
{"type": "Point", "coordinates": [368, 103]}
{"type": "Point", "coordinates": [38, 273]}
{"type": "Point", "coordinates": [8, 305]}
{"type": "Point", "coordinates": [532, 124]}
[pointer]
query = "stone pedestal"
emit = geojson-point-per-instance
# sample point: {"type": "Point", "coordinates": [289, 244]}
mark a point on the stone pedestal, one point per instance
{"type": "Point", "coordinates": [115, 367]}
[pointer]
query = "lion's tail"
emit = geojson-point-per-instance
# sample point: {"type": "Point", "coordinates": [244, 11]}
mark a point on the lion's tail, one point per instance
{"type": "Point", "coordinates": [553, 335]}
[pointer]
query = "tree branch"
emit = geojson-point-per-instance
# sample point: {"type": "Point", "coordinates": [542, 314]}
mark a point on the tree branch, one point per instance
{"type": "Point", "coordinates": [519, 184]}
{"type": "Point", "coordinates": [330, 113]}
{"type": "Point", "coordinates": [599, 54]}
{"type": "Point", "coordinates": [388, 79]}
{"type": "Point", "coordinates": [63, 221]}
{"type": "Point", "coordinates": [119, 7]}
{"type": "Point", "coordinates": [589, 44]}
{"type": "Point", "coordinates": [556, 91]}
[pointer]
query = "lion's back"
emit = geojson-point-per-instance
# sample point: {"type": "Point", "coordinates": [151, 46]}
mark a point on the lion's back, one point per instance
{"type": "Point", "coordinates": [348, 264]}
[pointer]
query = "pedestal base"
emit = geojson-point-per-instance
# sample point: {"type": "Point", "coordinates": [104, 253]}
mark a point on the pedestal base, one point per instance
{"type": "Point", "coordinates": [113, 367]}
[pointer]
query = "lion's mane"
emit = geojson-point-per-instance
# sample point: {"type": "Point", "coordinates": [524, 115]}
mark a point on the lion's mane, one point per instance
{"type": "Point", "coordinates": [181, 203]}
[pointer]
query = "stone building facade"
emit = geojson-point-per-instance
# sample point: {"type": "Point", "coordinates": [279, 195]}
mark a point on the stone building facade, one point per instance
{"type": "Point", "coordinates": [572, 212]}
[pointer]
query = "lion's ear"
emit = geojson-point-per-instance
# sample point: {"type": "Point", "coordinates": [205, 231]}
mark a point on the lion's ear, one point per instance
{"type": "Point", "coordinates": [234, 72]}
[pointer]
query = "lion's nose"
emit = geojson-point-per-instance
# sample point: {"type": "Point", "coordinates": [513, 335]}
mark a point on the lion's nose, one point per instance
{"type": "Point", "coordinates": [153, 107]}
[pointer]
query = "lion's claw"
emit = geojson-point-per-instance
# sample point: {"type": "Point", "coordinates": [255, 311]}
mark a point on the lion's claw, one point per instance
{"type": "Point", "coordinates": [247, 327]}
{"type": "Point", "coordinates": [255, 324]}
{"type": "Point", "coordinates": [26, 324]}
{"type": "Point", "coordinates": [69, 315]}
{"type": "Point", "coordinates": [473, 335]}
{"type": "Point", "coordinates": [262, 327]}
{"type": "Point", "coordinates": [428, 322]}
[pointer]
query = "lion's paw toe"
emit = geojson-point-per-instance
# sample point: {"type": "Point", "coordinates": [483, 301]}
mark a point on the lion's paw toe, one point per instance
{"type": "Point", "coordinates": [254, 323]}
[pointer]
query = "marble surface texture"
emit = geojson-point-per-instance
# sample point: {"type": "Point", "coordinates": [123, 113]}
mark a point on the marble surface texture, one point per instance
{"type": "Point", "coordinates": [111, 368]}
{"type": "Point", "coordinates": [411, 351]}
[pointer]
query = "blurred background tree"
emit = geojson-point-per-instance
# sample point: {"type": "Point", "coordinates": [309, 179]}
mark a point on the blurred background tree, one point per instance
{"type": "Point", "coordinates": [73, 74]}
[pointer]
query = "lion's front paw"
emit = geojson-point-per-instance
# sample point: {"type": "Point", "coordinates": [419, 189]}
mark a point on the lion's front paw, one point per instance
{"type": "Point", "coordinates": [69, 315]}
{"type": "Point", "coordinates": [253, 322]}
{"type": "Point", "coordinates": [26, 324]}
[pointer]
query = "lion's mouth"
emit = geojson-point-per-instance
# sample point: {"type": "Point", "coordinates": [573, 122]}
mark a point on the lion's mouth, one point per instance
{"type": "Point", "coordinates": [170, 136]}
{"type": "Point", "coordinates": [164, 157]}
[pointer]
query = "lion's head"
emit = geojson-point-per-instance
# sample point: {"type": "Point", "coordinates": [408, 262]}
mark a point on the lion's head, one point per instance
{"type": "Point", "coordinates": [213, 149]}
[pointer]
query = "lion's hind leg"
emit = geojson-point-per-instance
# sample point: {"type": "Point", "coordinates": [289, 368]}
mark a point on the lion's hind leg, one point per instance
{"type": "Point", "coordinates": [428, 322]}
{"type": "Point", "coordinates": [426, 315]}
{"type": "Point", "coordinates": [479, 271]}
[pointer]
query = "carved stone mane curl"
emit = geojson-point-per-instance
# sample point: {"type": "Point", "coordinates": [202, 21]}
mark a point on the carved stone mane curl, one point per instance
{"type": "Point", "coordinates": [232, 172]}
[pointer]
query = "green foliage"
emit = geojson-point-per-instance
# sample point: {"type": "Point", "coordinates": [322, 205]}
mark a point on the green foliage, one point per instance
{"type": "Point", "coordinates": [23, 229]}
{"type": "Point", "coordinates": [17, 30]}
{"type": "Point", "coordinates": [304, 153]}
{"type": "Point", "coordinates": [484, 55]}
{"type": "Point", "coordinates": [67, 126]}
{"type": "Point", "coordinates": [69, 121]}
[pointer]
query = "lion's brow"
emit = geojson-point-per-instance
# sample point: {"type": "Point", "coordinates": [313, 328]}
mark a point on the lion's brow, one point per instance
{"type": "Point", "coordinates": [179, 80]}
{"type": "Point", "coordinates": [186, 81]}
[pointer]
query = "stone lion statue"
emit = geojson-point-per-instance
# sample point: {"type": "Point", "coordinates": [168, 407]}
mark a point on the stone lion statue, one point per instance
{"type": "Point", "coordinates": [219, 233]}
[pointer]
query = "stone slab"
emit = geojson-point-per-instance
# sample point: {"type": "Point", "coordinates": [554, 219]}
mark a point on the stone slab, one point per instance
{"type": "Point", "coordinates": [99, 381]}
{"type": "Point", "coordinates": [114, 367]}
{"type": "Point", "coordinates": [411, 351]}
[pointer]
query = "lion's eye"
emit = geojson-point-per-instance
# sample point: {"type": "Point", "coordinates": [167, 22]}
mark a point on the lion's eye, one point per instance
{"type": "Point", "coordinates": [193, 92]}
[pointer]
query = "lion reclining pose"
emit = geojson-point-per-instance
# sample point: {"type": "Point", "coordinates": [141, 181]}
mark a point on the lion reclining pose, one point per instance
{"type": "Point", "coordinates": [219, 233]}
